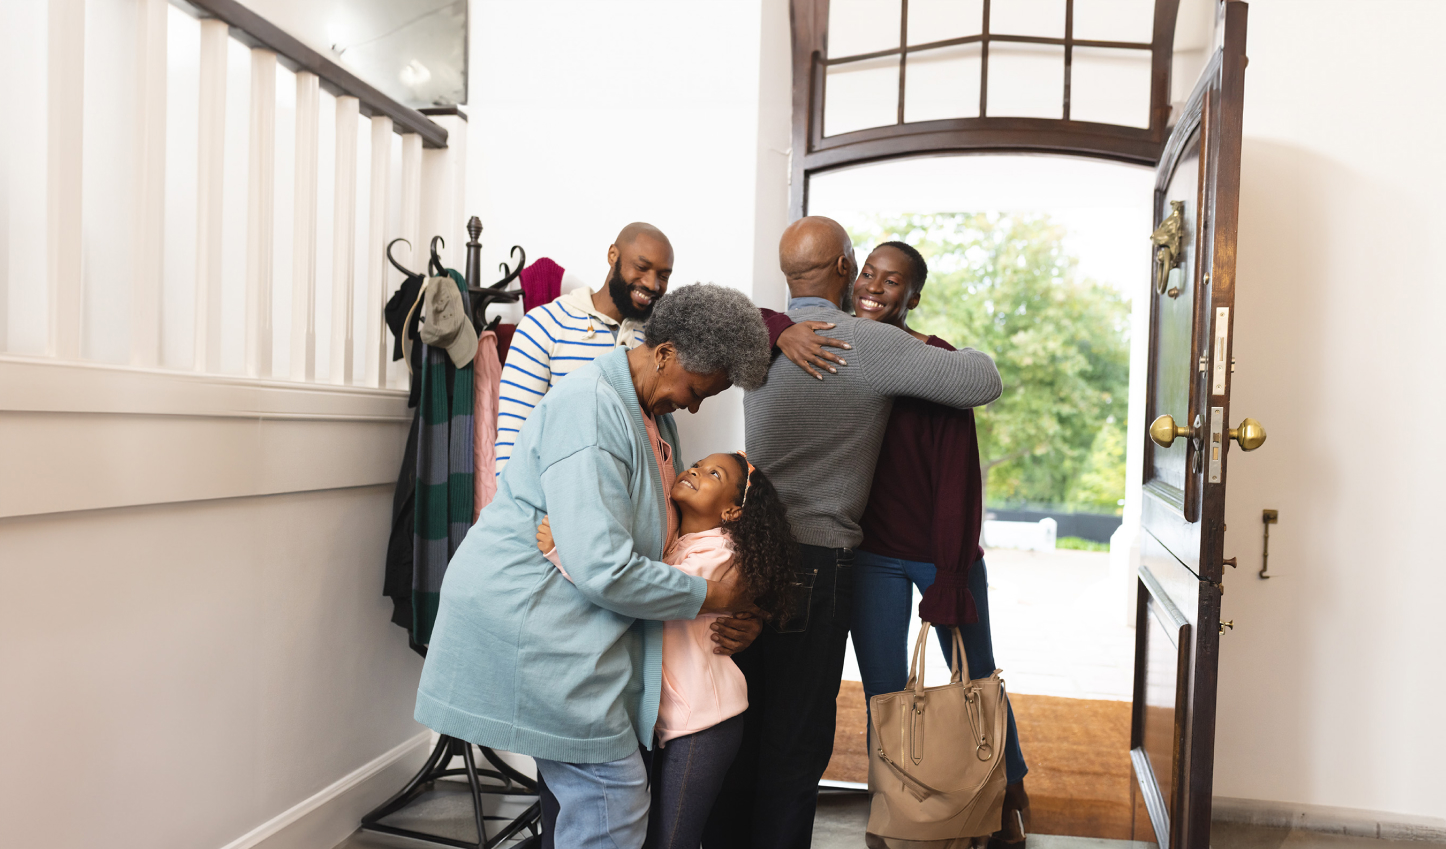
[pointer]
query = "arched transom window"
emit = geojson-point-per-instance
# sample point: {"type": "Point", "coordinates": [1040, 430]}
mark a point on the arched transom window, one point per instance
{"type": "Point", "coordinates": [876, 79]}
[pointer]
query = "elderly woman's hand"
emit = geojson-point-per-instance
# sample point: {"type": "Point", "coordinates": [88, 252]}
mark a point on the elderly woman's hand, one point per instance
{"type": "Point", "coordinates": [544, 536]}
{"type": "Point", "coordinates": [735, 633]}
{"type": "Point", "coordinates": [803, 345]}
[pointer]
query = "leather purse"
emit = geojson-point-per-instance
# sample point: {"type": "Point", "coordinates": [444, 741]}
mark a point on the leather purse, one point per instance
{"type": "Point", "coordinates": [936, 758]}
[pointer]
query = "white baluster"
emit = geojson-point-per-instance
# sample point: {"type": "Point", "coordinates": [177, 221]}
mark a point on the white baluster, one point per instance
{"type": "Point", "coordinates": [303, 246]}
{"type": "Point", "coordinates": [344, 244]}
{"type": "Point", "coordinates": [150, 192]}
{"type": "Point", "coordinates": [412, 203]}
{"type": "Point", "coordinates": [260, 209]}
{"type": "Point", "coordinates": [377, 348]}
{"type": "Point", "coordinates": [444, 188]}
{"type": "Point", "coordinates": [64, 124]}
{"type": "Point", "coordinates": [210, 180]}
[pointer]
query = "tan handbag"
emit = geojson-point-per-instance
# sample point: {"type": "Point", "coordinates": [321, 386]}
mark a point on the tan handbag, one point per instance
{"type": "Point", "coordinates": [936, 759]}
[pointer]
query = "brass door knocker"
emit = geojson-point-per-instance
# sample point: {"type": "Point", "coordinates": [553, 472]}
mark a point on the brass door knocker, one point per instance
{"type": "Point", "coordinates": [1166, 238]}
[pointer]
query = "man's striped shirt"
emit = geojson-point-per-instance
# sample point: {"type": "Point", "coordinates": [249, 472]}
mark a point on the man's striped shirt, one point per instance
{"type": "Point", "coordinates": [550, 343]}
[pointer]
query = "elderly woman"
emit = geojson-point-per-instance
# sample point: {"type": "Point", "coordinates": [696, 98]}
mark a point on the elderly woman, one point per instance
{"type": "Point", "coordinates": [570, 672]}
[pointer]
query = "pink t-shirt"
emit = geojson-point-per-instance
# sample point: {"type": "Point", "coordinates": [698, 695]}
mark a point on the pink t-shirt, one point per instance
{"type": "Point", "coordinates": [700, 688]}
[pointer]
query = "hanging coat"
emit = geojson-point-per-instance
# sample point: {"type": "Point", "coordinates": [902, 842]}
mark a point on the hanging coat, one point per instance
{"type": "Point", "coordinates": [445, 468]}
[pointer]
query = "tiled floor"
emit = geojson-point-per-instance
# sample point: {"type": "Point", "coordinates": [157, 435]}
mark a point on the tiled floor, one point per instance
{"type": "Point", "coordinates": [1058, 623]}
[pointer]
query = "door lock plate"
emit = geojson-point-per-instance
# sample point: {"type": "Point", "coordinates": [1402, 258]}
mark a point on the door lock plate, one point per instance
{"type": "Point", "coordinates": [1216, 443]}
{"type": "Point", "coordinates": [1222, 340]}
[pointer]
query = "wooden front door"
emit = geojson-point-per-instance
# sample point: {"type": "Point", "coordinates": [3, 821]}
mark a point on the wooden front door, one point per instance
{"type": "Point", "coordinates": [1192, 299]}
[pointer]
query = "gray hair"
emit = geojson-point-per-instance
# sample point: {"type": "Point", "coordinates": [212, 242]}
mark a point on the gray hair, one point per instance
{"type": "Point", "coordinates": [713, 328]}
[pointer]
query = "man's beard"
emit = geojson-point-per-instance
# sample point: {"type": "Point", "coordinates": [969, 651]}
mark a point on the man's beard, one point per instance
{"type": "Point", "coordinates": [848, 299]}
{"type": "Point", "coordinates": [622, 295]}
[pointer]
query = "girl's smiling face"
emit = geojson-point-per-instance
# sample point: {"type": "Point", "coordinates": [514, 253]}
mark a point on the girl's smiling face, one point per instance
{"type": "Point", "coordinates": [710, 488]}
{"type": "Point", "coordinates": [883, 291]}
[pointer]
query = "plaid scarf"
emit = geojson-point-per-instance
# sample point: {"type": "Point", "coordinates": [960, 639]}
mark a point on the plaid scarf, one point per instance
{"type": "Point", "coordinates": [444, 480]}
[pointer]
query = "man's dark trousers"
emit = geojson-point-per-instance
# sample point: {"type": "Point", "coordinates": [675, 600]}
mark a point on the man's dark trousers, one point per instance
{"type": "Point", "coordinates": [793, 672]}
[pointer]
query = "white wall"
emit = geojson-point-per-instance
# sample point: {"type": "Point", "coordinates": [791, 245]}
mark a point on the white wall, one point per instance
{"type": "Point", "coordinates": [194, 643]}
{"type": "Point", "coordinates": [585, 115]}
{"type": "Point", "coordinates": [1332, 683]}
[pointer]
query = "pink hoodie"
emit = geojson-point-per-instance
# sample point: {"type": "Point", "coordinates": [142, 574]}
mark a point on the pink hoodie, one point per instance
{"type": "Point", "coordinates": [700, 688]}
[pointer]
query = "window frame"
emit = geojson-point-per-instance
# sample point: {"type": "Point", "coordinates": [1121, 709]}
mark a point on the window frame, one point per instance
{"type": "Point", "coordinates": [813, 152]}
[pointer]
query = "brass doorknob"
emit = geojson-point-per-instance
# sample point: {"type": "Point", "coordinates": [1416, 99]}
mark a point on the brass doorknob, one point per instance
{"type": "Point", "coordinates": [1164, 430]}
{"type": "Point", "coordinates": [1250, 435]}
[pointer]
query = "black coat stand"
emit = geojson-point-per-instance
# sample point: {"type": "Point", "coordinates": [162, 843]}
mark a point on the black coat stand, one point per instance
{"type": "Point", "coordinates": [510, 782]}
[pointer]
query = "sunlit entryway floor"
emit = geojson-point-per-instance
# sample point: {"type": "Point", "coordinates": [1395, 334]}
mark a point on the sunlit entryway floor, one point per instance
{"type": "Point", "coordinates": [1059, 626]}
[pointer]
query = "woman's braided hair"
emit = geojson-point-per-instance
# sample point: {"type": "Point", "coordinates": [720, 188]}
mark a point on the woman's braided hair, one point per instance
{"type": "Point", "coordinates": [763, 548]}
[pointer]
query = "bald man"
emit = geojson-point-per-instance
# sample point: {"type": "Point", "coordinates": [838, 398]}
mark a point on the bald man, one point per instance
{"type": "Point", "coordinates": [554, 339]}
{"type": "Point", "coordinates": [818, 442]}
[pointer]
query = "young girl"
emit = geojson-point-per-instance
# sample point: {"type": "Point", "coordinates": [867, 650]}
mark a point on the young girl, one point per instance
{"type": "Point", "coordinates": [731, 527]}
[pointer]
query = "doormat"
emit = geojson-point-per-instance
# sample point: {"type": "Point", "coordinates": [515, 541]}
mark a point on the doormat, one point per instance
{"type": "Point", "coordinates": [1078, 751]}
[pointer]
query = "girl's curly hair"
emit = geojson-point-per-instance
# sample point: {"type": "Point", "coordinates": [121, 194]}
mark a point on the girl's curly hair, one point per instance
{"type": "Point", "coordinates": [763, 546]}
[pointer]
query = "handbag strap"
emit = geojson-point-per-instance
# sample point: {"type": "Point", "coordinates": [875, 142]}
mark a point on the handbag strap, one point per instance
{"type": "Point", "coordinates": [918, 789]}
{"type": "Point", "coordinates": [958, 664]}
{"type": "Point", "coordinates": [917, 662]}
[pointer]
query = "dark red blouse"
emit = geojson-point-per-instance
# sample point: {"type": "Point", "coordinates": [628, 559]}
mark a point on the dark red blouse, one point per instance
{"type": "Point", "coordinates": [926, 500]}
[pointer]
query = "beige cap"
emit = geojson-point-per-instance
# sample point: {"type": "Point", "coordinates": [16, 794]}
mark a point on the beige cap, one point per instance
{"type": "Point", "coordinates": [447, 324]}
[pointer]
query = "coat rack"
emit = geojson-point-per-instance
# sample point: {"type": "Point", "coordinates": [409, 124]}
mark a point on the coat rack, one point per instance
{"type": "Point", "coordinates": [497, 293]}
{"type": "Point", "coordinates": [508, 781]}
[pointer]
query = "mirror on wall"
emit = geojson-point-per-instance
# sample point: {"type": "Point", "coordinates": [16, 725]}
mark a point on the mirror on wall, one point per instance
{"type": "Point", "coordinates": [414, 50]}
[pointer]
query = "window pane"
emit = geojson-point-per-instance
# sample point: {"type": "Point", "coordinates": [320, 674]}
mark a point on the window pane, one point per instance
{"type": "Point", "coordinates": [863, 26]}
{"type": "Point", "coordinates": [1026, 80]}
{"type": "Point", "coordinates": [859, 95]}
{"type": "Point", "coordinates": [942, 83]}
{"type": "Point", "coordinates": [940, 20]}
{"type": "Point", "coordinates": [1110, 86]}
{"type": "Point", "coordinates": [1027, 17]}
{"type": "Point", "coordinates": [1114, 20]}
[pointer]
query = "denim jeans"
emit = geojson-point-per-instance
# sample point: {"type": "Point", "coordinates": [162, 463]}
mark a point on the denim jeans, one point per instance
{"type": "Point", "coordinates": [883, 608]}
{"type": "Point", "coordinates": [600, 806]}
{"type": "Point", "coordinates": [687, 774]}
{"type": "Point", "coordinates": [793, 671]}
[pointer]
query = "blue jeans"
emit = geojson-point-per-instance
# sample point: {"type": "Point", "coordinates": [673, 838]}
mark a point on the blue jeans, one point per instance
{"type": "Point", "coordinates": [883, 608]}
{"type": "Point", "coordinates": [687, 774]}
{"type": "Point", "coordinates": [601, 806]}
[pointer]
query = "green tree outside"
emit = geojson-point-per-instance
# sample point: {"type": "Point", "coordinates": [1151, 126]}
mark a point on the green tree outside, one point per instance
{"type": "Point", "coordinates": [1004, 284]}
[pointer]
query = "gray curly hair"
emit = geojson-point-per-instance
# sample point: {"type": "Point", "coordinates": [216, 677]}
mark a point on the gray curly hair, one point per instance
{"type": "Point", "coordinates": [712, 327]}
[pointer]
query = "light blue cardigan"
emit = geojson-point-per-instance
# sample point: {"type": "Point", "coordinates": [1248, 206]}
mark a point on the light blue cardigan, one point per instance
{"type": "Point", "coordinates": [521, 659]}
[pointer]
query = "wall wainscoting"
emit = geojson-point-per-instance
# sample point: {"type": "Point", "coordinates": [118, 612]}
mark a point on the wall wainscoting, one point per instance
{"type": "Point", "coordinates": [1329, 820]}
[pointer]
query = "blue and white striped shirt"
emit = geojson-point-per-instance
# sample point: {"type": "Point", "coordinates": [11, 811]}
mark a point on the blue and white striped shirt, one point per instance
{"type": "Point", "coordinates": [550, 343]}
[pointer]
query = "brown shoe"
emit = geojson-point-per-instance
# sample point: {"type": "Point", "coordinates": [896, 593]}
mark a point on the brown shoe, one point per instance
{"type": "Point", "coordinates": [1014, 828]}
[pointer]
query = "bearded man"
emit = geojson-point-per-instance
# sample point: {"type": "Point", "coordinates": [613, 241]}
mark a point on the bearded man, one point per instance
{"type": "Point", "coordinates": [554, 339]}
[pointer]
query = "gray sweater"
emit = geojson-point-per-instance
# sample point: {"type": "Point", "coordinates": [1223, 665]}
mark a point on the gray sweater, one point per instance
{"type": "Point", "coordinates": [818, 440]}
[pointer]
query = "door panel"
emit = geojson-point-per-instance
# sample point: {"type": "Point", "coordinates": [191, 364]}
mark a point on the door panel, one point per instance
{"type": "Point", "coordinates": [1174, 340]}
{"type": "Point", "coordinates": [1169, 527]}
{"type": "Point", "coordinates": [1178, 618]}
